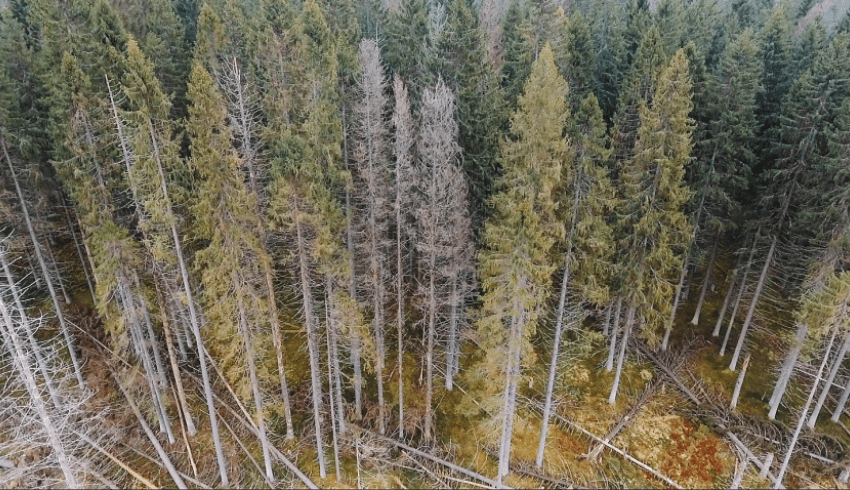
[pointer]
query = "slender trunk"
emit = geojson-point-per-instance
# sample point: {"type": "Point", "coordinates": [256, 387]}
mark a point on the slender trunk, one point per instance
{"type": "Point", "coordinates": [511, 380]}
{"type": "Point", "coordinates": [842, 402]}
{"type": "Point", "coordinates": [615, 329]}
{"type": "Point", "coordinates": [175, 369]}
{"type": "Point", "coordinates": [753, 304]}
{"type": "Point", "coordinates": [42, 364]}
{"type": "Point", "coordinates": [352, 291]}
{"type": "Point", "coordinates": [278, 346]}
{"type": "Point", "coordinates": [335, 381]}
{"type": "Point", "coordinates": [732, 282]}
{"type": "Point", "coordinates": [452, 340]}
{"type": "Point", "coordinates": [836, 364]}
{"type": "Point", "coordinates": [740, 382]}
{"type": "Point", "coordinates": [803, 415]}
{"type": "Point", "coordinates": [787, 370]}
{"type": "Point", "coordinates": [40, 405]}
{"type": "Point", "coordinates": [89, 282]}
{"type": "Point", "coordinates": [607, 323]}
{"type": "Point", "coordinates": [429, 359]}
{"type": "Point", "coordinates": [44, 270]}
{"type": "Point", "coordinates": [676, 298]}
{"type": "Point", "coordinates": [172, 471]}
{"type": "Point", "coordinates": [553, 366]}
{"type": "Point", "coordinates": [53, 265]}
{"type": "Point", "coordinates": [248, 342]}
{"type": "Point", "coordinates": [312, 345]}
{"type": "Point", "coordinates": [630, 317]}
{"type": "Point", "coordinates": [706, 281]}
{"type": "Point", "coordinates": [331, 391]}
{"type": "Point", "coordinates": [187, 288]}
{"type": "Point", "coordinates": [400, 327]}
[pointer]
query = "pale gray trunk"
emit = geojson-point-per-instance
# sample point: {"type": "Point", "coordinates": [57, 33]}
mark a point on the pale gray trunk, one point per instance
{"type": "Point", "coordinates": [740, 382]}
{"type": "Point", "coordinates": [400, 320]}
{"type": "Point", "coordinates": [836, 364]}
{"type": "Point", "coordinates": [44, 270]}
{"type": "Point", "coordinates": [787, 370]}
{"type": "Point", "coordinates": [732, 282]}
{"type": "Point", "coordinates": [175, 369]}
{"type": "Point", "coordinates": [278, 347]}
{"type": "Point", "coordinates": [20, 359]}
{"type": "Point", "coordinates": [452, 340]}
{"type": "Point", "coordinates": [332, 392]}
{"type": "Point", "coordinates": [553, 366]}
{"type": "Point", "coordinates": [172, 471]}
{"type": "Point", "coordinates": [842, 402]}
{"type": "Point", "coordinates": [630, 317]}
{"type": "Point", "coordinates": [312, 346]}
{"type": "Point", "coordinates": [89, 282]}
{"type": "Point", "coordinates": [676, 298]}
{"type": "Point", "coordinates": [753, 304]}
{"type": "Point", "coordinates": [352, 291]}
{"type": "Point", "coordinates": [615, 330]}
{"type": "Point", "coordinates": [803, 415]}
{"type": "Point", "coordinates": [509, 405]}
{"type": "Point", "coordinates": [607, 323]}
{"type": "Point", "coordinates": [248, 342]}
{"type": "Point", "coordinates": [706, 281]}
{"type": "Point", "coordinates": [429, 359]}
{"type": "Point", "coordinates": [55, 267]}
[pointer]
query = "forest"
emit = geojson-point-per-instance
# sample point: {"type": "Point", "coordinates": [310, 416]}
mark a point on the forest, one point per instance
{"type": "Point", "coordinates": [424, 243]}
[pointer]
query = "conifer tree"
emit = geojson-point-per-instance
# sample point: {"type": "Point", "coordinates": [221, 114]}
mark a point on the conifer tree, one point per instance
{"type": "Point", "coordinates": [586, 198]}
{"type": "Point", "coordinates": [149, 152]}
{"type": "Point", "coordinates": [231, 271]}
{"type": "Point", "coordinates": [517, 45]}
{"type": "Point", "coordinates": [577, 58]}
{"type": "Point", "coordinates": [466, 71]}
{"type": "Point", "coordinates": [516, 266]}
{"type": "Point", "coordinates": [724, 156]}
{"type": "Point", "coordinates": [407, 50]}
{"type": "Point", "coordinates": [370, 156]}
{"type": "Point", "coordinates": [652, 226]}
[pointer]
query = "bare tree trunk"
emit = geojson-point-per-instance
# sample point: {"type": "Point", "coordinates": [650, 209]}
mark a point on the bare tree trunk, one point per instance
{"type": "Point", "coordinates": [175, 369]}
{"type": "Point", "coordinates": [787, 370]}
{"type": "Point", "coordinates": [452, 341]}
{"type": "Point", "coordinates": [20, 359]}
{"type": "Point", "coordinates": [352, 291]}
{"type": "Point", "coordinates": [511, 380]}
{"type": "Point", "coordinates": [89, 282]}
{"type": "Point", "coordinates": [676, 298]}
{"type": "Point", "coordinates": [707, 280]}
{"type": "Point", "coordinates": [836, 364]}
{"type": "Point", "coordinates": [842, 402]}
{"type": "Point", "coordinates": [429, 359]}
{"type": "Point", "coordinates": [733, 280]}
{"type": "Point", "coordinates": [606, 325]}
{"type": "Point", "coordinates": [740, 382]}
{"type": "Point", "coordinates": [334, 402]}
{"type": "Point", "coordinates": [255, 386]}
{"type": "Point", "coordinates": [553, 366]}
{"type": "Point", "coordinates": [312, 345]}
{"type": "Point", "coordinates": [753, 304]}
{"type": "Point", "coordinates": [630, 317]}
{"type": "Point", "coordinates": [615, 330]}
{"type": "Point", "coordinates": [803, 415]}
{"type": "Point", "coordinates": [44, 270]}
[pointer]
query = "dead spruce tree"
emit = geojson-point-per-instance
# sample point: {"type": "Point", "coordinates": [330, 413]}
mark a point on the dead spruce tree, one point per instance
{"type": "Point", "coordinates": [402, 187]}
{"type": "Point", "coordinates": [443, 233]}
{"type": "Point", "coordinates": [372, 194]}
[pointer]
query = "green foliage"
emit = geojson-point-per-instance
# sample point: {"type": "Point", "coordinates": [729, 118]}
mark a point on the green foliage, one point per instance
{"type": "Point", "coordinates": [480, 112]}
{"type": "Point", "coordinates": [516, 266]}
{"type": "Point", "coordinates": [407, 49]}
{"type": "Point", "coordinates": [518, 48]}
{"type": "Point", "coordinates": [653, 230]}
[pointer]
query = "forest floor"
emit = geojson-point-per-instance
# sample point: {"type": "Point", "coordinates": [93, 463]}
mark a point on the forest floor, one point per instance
{"type": "Point", "coordinates": [664, 430]}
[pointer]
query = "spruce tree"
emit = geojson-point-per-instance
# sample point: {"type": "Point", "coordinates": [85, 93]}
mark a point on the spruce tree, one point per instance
{"type": "Point", "coordinates": [516, 266]}
{"type": "Point", "coordinates": [466, 70]}
{"type": "Point", "coordinates": [517, 45]}
{"type": "Point", "coordinates": [653, 228]}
